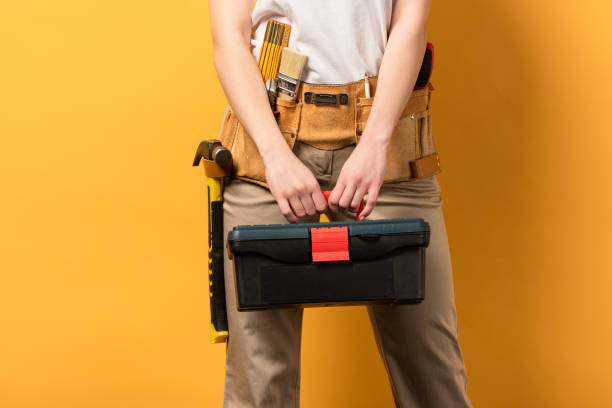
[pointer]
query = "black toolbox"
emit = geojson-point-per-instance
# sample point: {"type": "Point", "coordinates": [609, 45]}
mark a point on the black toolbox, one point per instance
{"type": "Point", "coordinates": [329, 264]}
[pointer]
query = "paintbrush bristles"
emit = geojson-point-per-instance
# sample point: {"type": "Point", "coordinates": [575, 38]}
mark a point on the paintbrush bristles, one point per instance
{"type": "Point", "coordinates": [292, 63]}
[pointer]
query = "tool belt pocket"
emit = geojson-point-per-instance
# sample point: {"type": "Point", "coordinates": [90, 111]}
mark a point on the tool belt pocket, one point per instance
{"type": "Point", "coordinates": [288, 117]}
{"type": "Point", "coordinates": [412, 153]}
{"type": "Point", "coordinates": [247, 162]}
{"type": "Point", "coordinates": [228, 128]}
{"type": "Point", "coordinates": [362, 112]}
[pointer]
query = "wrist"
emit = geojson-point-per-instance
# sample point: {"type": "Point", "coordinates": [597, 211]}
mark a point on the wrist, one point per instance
{"type": "Point", "coordinates": [380, 136]}
{"type": "Point", "coordinates": [274, 151]}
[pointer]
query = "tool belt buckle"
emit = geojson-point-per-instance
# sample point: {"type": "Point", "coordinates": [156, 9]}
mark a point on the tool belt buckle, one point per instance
{"type": "Point", "coordinates": [326, 99]}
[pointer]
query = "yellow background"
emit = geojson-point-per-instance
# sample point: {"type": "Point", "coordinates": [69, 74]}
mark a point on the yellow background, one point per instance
{"type": "Point", "coordinates": [103, 300]}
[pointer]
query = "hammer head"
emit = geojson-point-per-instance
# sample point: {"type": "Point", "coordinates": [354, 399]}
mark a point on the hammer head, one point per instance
{"type": "Point", "coordinates": [212, 150]}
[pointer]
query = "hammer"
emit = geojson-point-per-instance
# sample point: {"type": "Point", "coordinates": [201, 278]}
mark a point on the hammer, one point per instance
{"type": "Point", "coordinates": [217, 164]}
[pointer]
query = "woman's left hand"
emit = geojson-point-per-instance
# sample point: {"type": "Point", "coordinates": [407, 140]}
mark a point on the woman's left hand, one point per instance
{"type": "Point", "coordinates": [362, 173]}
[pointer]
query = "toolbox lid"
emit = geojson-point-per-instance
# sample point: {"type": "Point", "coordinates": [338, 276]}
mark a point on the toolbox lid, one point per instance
{"type": "Point", "coordinates": [355, 228]}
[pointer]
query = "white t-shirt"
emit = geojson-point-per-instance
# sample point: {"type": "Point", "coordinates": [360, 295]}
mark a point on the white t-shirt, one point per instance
{"type": "Point", "coordinates": [343, 39]}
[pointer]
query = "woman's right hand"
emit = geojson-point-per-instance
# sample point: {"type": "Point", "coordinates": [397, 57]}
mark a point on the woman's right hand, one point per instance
{"type": "Point", "coordinates": [294, 187]}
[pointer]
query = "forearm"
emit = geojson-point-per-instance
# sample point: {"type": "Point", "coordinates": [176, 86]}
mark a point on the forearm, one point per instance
{"type": "Point", "coordinates": [244, 88]}
{"type": "Point", "coordinates": [398, 72]}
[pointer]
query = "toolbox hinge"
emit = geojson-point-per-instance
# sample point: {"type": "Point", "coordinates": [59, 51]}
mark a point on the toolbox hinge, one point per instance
{"type": "Point", "coordinates": [329, 244]}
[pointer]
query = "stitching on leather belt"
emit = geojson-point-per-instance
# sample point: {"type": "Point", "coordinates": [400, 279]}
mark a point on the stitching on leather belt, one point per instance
{"type": "Point", "coordinates": [326, 99]}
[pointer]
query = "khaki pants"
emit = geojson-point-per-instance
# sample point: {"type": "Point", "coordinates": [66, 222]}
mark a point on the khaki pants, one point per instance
{"type": "Point", "coordinates": [418, 343]}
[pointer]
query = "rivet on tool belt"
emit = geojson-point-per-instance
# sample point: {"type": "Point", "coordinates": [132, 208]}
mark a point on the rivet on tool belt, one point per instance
{"type": "Point", "coordinates": [326, 99]}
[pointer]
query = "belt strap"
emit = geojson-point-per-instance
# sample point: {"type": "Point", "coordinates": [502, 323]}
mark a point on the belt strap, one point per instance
{"type": "Point", "coordinates": [425, 166]}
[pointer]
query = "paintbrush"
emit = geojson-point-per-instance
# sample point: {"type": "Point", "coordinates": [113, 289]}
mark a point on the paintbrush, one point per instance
{"type": "Point", "coordinates": [290, 72]}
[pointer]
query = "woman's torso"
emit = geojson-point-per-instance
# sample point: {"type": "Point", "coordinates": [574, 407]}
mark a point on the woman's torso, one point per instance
{"type": "Point", "coordinates": [343, 39]}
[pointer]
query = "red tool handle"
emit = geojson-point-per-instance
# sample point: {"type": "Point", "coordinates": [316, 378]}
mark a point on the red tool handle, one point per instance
{"type": "Point", "coordinates": [326, 193]}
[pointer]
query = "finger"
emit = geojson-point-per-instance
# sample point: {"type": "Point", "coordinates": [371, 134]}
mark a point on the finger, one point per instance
{"type": "Point", "coordinates": [308, 204]}
{"type": "Point", "coordinates": [319, 201]}
{"type": "Point", "coordinates": [347, 197]}
{"type": "Point", "coordinates": [334, 196]}
{"type": "Point", "coordinates": [296, 205]}
{"type": "Point", "coordinates": [357, 198]}
{"type": "Point", "coordinates": [370, 202]}
{"type": "Point", "coordinates": [286, 210]}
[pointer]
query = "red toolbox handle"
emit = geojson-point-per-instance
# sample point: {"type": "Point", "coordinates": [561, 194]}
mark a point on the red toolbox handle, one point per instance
{"type": "Point", "coordinates": [326, 193]}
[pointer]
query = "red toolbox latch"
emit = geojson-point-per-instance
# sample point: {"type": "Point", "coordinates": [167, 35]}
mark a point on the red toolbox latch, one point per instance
{"type": "Point", "coordinates": [329, 244]}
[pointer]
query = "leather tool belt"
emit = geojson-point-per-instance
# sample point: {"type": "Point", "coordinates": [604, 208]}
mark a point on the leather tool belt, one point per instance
{"type": "Point", "coordinates": [332, 116]}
